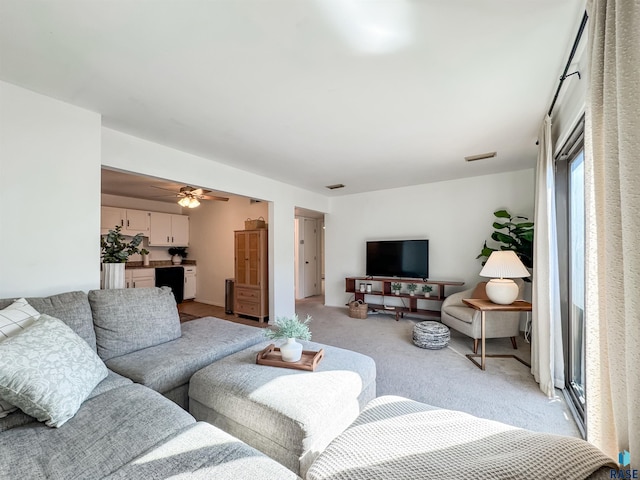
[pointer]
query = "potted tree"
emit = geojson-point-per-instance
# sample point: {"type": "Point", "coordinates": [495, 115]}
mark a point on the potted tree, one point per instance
{"type": "Point", "coordinates": [396, 287]}
{"type": "Point", "coordinates": [115, 250]}
{"type": "Point", "coordinates": [177, 254]}
{"type": "Point", "coordinates": [412, 287]}
{"type": "Point", "coordinates": [290, 328]}
{"type": "Point", "coordinates": [427, 289]}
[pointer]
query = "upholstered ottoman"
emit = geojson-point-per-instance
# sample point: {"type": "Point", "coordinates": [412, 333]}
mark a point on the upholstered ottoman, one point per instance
{"type": "Point", "coordinates": [290, 415]}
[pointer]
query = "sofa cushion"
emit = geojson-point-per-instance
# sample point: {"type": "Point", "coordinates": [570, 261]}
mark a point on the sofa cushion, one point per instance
{"type": "Point", "coordinates": [48, 371]}
{"type": "Point", "coordinates": [19, 418]}
{"type": "Point", "coordinates": [202, 451]}
{"type": "Point", "coordinates": [108, 431]}
{"type": "Point", "coordinates": [170, 365]}
{"type": "Point", "coordinates": [130, 319]}
{"type": "Point", "coordinates": [13, 319]}
{"type": "Point", "coordinates": [70, 307]}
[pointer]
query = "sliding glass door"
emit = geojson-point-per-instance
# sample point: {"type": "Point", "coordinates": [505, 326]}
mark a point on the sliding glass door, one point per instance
{"type": "Point", "coordinates": [576, 367]}
{"type": "Point", "coordinates": [571, 221]}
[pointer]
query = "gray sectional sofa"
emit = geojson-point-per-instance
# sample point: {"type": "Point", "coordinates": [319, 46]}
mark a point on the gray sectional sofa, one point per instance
{"type": "Point", "coordinates": [131, 425]}
{"type": "Point", "coordinates": [134, 423]}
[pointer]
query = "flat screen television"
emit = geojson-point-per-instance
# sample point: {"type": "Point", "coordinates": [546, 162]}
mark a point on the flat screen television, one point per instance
{"type": "Point", "coordinates": [398, 258]}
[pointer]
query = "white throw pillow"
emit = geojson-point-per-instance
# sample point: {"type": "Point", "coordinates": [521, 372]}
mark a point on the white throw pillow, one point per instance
{"type": "Point", "coordinates": [13, 319]}
{"type": "Point", "coordinates": [47, 371]}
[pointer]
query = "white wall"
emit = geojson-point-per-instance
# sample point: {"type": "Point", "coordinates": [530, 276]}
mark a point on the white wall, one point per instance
{"type": "Point", "coordinates": [49, 195]}
{"type": "Point", "coordinates": [128, 153]}
{"type": "Point", "coordinates": [211, 242]}
{"type": "Point", "coordinates": [456, 216]}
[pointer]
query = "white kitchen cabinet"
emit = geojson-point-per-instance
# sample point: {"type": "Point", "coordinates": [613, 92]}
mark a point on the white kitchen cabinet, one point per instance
{"type": "Point", "coordinates": [110, 217]}
{"type": "Point", "coordinates": [136, 221]}
{"type": "Point", "coordinates": [168, 230]}
{"type": "Point", "coordinates": [189, 282]}
{"type": "Point", "coordinates": [143, 277]}
{"type": "Point", "coordinates": [140, 277]}
{"type": "Point", "coordinates": [131, 221]}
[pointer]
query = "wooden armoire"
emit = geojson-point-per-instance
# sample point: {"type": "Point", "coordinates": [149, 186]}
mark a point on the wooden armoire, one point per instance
{"type": "Point", "coordinates": [251, 289]}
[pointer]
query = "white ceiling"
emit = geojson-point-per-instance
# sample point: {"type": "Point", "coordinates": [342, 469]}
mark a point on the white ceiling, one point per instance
{"type": "Point", "coordinates": [370, 93]}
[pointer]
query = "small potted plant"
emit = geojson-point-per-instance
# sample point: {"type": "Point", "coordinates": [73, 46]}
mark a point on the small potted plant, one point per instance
{"type": "Point", "coordinates": [290, 328]}
{"type": "Point", "coordinates": [177, 254]}
{"type": "Point", "coordinates": [396, 287]}
{"type": "Point", "coordinates": [427, 289]}
{"type": "Point", "coordinates": [412, 287]}
{"type": "Point", "coordinates": [115, 250]}
{"type": "Point", "coordinates": [145, 257]}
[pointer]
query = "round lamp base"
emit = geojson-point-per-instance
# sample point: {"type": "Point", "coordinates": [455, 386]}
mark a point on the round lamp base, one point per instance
{"type": "Point", "coordinates": [502, 291]}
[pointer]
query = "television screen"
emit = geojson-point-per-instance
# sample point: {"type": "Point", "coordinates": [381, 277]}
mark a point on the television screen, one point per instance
{"type": "Point", "coordinates": [398, 258]}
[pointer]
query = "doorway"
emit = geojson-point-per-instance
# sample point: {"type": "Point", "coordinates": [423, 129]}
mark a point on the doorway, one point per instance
{"type": "Point", "coordinates": [309, 254]}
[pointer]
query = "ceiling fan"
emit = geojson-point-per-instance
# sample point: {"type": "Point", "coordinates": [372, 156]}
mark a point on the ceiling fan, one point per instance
{"type": "Point", "coordinates": [190, 197]}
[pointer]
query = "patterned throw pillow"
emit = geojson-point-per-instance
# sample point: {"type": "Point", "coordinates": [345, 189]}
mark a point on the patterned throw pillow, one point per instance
{"type": "Point", "coordinates": [13, 319]}
{"type": "Point", "coordinates": [47, 371]}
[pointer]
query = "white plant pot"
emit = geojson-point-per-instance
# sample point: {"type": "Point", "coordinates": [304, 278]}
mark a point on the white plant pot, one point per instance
{"type": "Point", "coordinates": [427, 294]}
{"type": "Point", "coordinates": [291, 350]}
{"type": "Point", "coordinates": [112, 275]}
{"type": "Point", "coordinates": [411, 293]}
{"type": "Point", "coordinates": [145, 260]}
{"type": "Point", "coordinates": [397, 292]}
{"type": "Point", "coordinates": [176, 259]}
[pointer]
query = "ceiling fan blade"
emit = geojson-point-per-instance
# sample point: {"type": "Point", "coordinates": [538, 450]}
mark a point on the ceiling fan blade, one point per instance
{"type": "Point", "coordinates": [211, 197]}
{"type": "Point", "coordinates": [200, 191]}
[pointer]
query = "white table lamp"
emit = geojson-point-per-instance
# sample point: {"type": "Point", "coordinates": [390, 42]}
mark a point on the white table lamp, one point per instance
{"type": "Point", "coordinates": [502, 266]}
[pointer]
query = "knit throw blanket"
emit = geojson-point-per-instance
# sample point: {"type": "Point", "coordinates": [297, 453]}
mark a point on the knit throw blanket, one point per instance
{"type": "Point", "coordinates": [396, 438]}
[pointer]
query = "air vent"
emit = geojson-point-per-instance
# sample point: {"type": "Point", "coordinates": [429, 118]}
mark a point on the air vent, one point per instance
{"type": "Point", "coordinates": [482, 156]}
{"type": "Point", "coordinates": [336, 186]}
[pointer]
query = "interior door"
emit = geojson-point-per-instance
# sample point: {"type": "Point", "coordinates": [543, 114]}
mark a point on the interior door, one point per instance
{"type": "Point", "coordinates": [310, 268]}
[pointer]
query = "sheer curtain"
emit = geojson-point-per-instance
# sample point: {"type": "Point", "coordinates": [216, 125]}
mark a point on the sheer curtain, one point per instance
{"type": "Point", "coordinates": [612, 189]}
{"type": "Point", "coordinates": [547, 362]}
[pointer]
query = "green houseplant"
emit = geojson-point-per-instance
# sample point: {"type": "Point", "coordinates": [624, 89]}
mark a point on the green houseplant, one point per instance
{"type": "Point", "coordinates": [427, 289]}
{"type": "Point", "coordinates": [145, 256]}
{"type": "Point", "coordinates": [177, 254]}
{"type": "Point", "coordinates": [511, 233]}
{"type": "Point", "coordinates": [396, 287]}
{"type": "Point", "coordinates": [290, 328]}
{"type": "Point", "coordinates": [412, 287]}
{"type": "Point", "coordinates": [115, 250]}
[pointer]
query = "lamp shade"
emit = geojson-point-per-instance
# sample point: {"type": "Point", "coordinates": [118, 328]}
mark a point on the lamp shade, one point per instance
{"type": "Point", "coordinates": [504, 264]}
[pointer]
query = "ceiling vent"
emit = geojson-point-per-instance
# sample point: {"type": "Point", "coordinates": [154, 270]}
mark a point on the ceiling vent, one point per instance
{"type": "Point", "coordinates": [336, 186]}
{"type": "Point", "coordinates": [482, 156]}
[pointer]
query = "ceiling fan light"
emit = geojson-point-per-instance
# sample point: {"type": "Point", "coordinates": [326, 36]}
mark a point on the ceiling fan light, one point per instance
{"type": "Point", "coordinates": [184, 202]}
{"type": "Point", "coordinates": [193, 202]}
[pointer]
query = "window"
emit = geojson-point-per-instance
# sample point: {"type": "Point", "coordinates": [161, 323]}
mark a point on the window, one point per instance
{"type": "Point", "coordinates": [570, 204]}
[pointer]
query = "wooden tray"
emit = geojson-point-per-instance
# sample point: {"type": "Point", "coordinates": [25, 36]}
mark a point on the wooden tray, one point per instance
{"type": "Point", "coordinates": [271, 356]}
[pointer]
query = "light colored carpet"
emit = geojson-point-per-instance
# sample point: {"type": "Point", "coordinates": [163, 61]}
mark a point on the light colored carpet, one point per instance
{"type": "Point", "coordinates": [505, 391]}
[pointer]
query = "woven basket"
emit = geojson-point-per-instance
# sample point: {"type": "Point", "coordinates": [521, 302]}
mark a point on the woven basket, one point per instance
{"type": "Point", "coordinates": [358, 309]}
{"type": "Point", "coordinates": [250, 224]}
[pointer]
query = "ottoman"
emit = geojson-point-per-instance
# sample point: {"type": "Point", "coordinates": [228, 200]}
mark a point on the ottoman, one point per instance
{"type": "Point", "coordinates": [398, 438]}
{"type": "Point", "coordinates": [290, 415]}
{"type": "Point", "coordinates": [431, 335]}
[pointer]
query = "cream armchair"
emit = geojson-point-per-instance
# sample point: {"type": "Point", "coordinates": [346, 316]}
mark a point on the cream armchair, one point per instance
{"type": "Point", "coordinates": [456, 315]}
